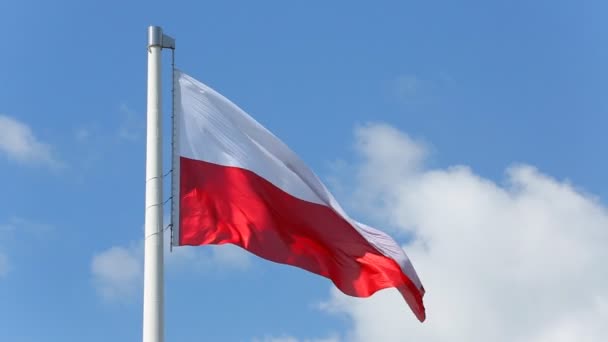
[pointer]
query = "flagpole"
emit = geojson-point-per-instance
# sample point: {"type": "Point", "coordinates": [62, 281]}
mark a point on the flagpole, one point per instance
{"type": "Point", "coordinates": [153, 317]}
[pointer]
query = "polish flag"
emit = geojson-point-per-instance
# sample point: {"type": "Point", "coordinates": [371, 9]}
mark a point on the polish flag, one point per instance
{"type": "Point", "coordinates": [235, 182]}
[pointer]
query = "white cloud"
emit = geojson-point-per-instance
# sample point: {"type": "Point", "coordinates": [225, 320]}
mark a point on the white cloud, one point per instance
{"type": "Point", "coordinates": [293, 339]}
{"type": "Point", "coordinates": [277, 339]}
{"type": "Point", "coordinates": [18, 142]}
{"type": "Point", "coordinates": [117, 272]}
{"type": "Point", "coordinates": [420, 90]}
{"type": "Point", "coordinates": [521, 261]}
{"type": "Point", "coordinates": [408, 87]}
{"type": "Point", "coordinates": [205, 257]}
{"type": "Point", "coordinates": [20, 224]}
{"type": "Point", "coordinates": [132, 126]}
{"type": "Point", "coordinates": [12, 228]}
{"type": "Point", "coordinates": [231, 255]}
{"type": "Point", "coordinates": [82, 134]}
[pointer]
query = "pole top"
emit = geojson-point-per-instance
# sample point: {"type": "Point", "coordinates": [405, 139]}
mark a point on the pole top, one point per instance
{"type": "Point", "coordinates": [157, 38]}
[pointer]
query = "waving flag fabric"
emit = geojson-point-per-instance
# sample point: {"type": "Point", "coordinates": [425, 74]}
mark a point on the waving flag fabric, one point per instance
{"type": "Point", "coordinates": [235, 182]}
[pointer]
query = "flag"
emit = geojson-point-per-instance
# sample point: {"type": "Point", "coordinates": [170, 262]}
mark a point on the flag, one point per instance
{"type": "Point", "coordinates": [235, 182]}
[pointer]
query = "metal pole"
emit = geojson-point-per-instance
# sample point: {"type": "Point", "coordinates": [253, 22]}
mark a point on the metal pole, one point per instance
{"type": "Point", "coordinates": [153, 323]}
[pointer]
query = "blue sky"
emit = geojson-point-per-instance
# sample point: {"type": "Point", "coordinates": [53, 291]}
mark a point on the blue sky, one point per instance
{"type": "Point", "coordinates": [504, 99]}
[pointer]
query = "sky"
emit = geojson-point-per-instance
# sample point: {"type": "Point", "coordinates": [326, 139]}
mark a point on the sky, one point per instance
{"type": "Point", "coordinates": [472, 131]}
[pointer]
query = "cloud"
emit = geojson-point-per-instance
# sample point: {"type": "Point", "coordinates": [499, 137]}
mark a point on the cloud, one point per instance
{"type": "Point", "coordinates": [517, 261]}
{"type": "Point", "coordinates": [82, 134]}
{"type": "Point", "coordinates": [117, 272]}
{"type": "Point", "coordinates": [217, 257]}
{"type": "Point", "coordinates": [209, 257]}
{"type": "Point", "coordinates": [20, 224]}
{"type": "Point", "coordinates": [18, 142]}
{"type": "Point", "coordinates": [416, 90]}
{"type": "Point", "coordinates": [10, 229]}
{"type": "Point", "coordinates": [132, 126]}
{"type": "Point", "coordinates": [408, 87]}
{"type": "Point", "coordinates": [293, 339]}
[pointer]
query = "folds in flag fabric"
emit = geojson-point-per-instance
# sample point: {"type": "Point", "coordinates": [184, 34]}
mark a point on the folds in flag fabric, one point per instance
{"type": "Point", "coordinates": [235, 182]}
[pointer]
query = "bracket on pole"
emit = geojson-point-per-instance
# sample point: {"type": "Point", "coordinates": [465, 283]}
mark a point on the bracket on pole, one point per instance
{"type": "Point", "coordinates": [156, 37]}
